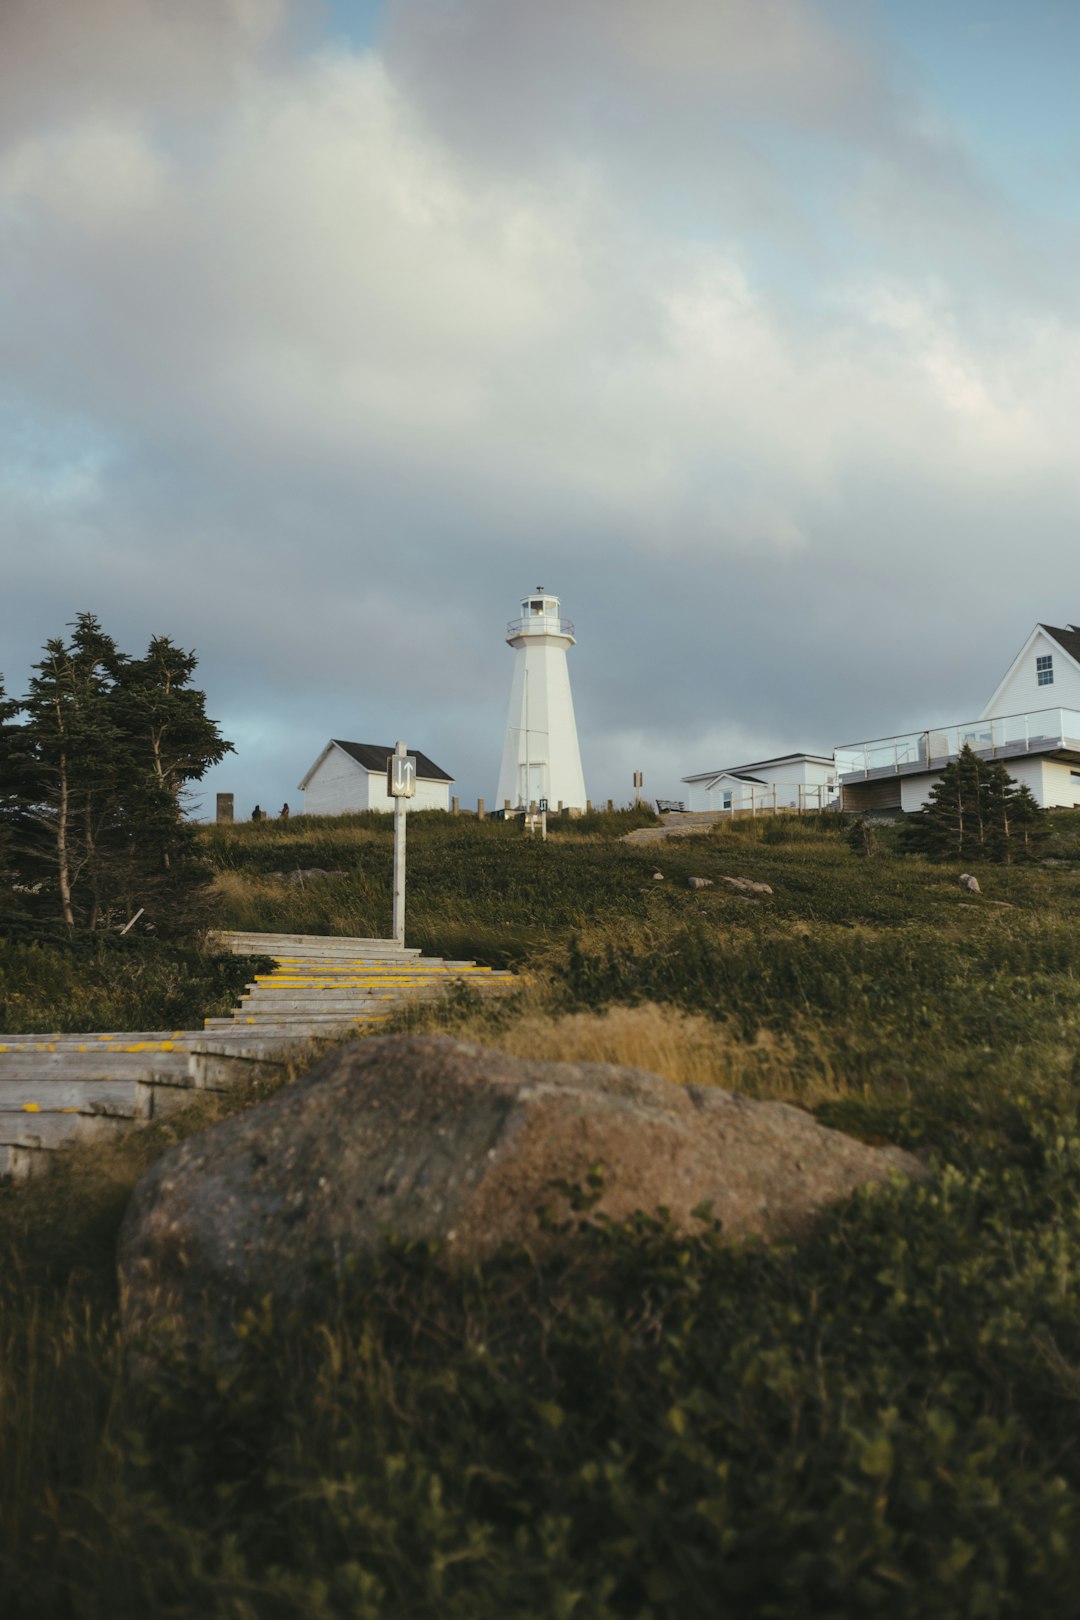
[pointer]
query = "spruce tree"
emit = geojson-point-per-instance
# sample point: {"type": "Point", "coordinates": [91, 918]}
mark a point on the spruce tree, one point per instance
{"type": "Point", "coordinates": [75, 759]}
{"type": "Point", "coordinates": [173, 742]}
{"type": "Point", "coordinates": [12, 765]}
{"type": "Point", "coordinates": [92, 783]}
{"type": "Point", "coordinates": [977, 811]}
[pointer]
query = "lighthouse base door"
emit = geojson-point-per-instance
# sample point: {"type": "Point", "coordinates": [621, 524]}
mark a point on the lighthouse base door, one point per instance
{"type": "Point", "coordinates": [533, 779]}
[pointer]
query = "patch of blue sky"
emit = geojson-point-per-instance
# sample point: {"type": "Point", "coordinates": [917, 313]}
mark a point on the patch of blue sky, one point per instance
{"type": "Point", "coordinates": [49, 462]}
{"type": "Point", "coordinates": [1003, 75]}
{"type": "Point", "coordinates": [356, 23]}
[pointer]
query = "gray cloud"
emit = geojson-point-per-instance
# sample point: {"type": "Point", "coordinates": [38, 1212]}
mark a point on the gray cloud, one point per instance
{"type": "Point", "coordinates": [324, 377]}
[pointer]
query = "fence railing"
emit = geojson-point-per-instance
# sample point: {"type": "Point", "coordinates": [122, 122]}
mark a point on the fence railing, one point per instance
{"type": "Point", "coordinates": [755, 798]}
{"type": "Point", "coordinates": [540, 624]}
{"type": "Point", "coordinates": [1002, 737]}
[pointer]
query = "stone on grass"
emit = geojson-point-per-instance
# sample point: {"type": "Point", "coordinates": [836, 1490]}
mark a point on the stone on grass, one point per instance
{"type": "Point", "coordinates": [425, 1137]}
{"type": "Point", "coordinates": [299, 875]}
{"type": "Point", "coordinates": [747, 885]}
{"type": "Point", "coordinates": [699, 883]}
{"type": "Point", "coordinates": [658, 877]}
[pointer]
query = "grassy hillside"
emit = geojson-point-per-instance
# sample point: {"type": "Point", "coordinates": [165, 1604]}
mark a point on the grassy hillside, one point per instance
{"type": "Point", "coordinates": [882, 1421]}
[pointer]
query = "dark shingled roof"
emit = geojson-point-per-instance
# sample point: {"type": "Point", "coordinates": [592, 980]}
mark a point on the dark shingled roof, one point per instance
{"type": "Point", "coordinates": [1069, 639]}
{"type": "Point", "coordinates": [373, 757]}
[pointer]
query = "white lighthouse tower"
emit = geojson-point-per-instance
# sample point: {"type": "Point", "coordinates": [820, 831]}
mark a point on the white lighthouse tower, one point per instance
{"type": "Point", "coordinates": [541, 758]}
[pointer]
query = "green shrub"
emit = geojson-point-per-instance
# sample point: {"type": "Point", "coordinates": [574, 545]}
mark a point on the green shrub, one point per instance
{"type": "Point", "coordinates": [880, 1422]}
{"type": "Point", "coordinates": [106, 982]}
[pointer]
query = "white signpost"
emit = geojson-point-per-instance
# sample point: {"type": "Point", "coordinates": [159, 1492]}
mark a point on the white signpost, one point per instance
{"type": "Point", "coordinates": [401, 785]}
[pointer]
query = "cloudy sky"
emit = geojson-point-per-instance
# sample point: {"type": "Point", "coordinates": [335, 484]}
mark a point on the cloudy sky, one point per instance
{"type": "Point", "coordinates": [329, 328]}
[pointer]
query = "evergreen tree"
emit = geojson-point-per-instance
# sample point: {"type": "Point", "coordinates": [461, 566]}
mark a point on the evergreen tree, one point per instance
{"type": "Point", "coordinates": [11, 767]}
{"type": "Point", "coordinates": [94, 779]}
{"type": "Point", "coordinates": [1027, 823]}
{"type": "Point", "coordinates": [75, 756]}
{"type": "Point", "coordinates": [174, 743]}
{"type": "Point", "coordinates": [977, 811]}
{"type": "Point", "coordinates": [861, 838]}
{"type": "Point", "coordinates": [166, 717]}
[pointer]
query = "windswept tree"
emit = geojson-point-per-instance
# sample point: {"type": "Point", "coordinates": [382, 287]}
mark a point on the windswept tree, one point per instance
{"type": "Point", "coordinates": [173, 740]}
{"type": "Point", "coordinates": [74, 756]}
{"type": "Point", "coordinates": [95, 775]}
{"type": "Point", "coordinates": [11, 773]}
{"type": "Point", "coordinates": [977, 811]}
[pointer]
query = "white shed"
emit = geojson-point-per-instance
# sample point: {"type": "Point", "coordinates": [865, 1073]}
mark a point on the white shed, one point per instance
{"type": "Point", "coordinates": [788, 782]}
{"type": "Point", "coordinates": [350, 776]}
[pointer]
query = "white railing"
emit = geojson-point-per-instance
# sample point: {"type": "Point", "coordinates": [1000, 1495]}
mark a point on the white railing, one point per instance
{"type": "Point", "coordinates": [1002, 737]}
{"type": "Point", "coordinates": [540, 624]}
{"type": "Point", "coordinates": [761, 796]}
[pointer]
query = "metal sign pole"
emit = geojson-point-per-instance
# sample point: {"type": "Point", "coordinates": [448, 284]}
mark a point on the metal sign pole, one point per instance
{"type": "Point", "coordinates": [399, 871]}
{"type": "Point", "coordinates": [401, 782]}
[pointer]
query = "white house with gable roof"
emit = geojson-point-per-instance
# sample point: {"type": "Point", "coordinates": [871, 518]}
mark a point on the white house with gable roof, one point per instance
{"type": "Point", "coordinates": [1032, 723]}
{"type": "Point", "coordinates": [788, 782]}
{"type": "Point", "coordinates": [350, 776]}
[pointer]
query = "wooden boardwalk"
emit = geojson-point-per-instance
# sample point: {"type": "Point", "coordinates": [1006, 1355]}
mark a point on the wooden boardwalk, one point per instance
{"type": "Point", "coordinates": [62, 1088]}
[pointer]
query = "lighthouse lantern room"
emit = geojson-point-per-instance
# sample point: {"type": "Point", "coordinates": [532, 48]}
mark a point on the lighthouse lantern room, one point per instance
{"type": "Point", "coordinates": [541, 759]}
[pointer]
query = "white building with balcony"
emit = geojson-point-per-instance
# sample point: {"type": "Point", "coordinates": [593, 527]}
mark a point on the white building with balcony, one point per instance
{"type": "Point", "coordinates": [541, 759]}
{"type": "Point", "coordinates": [1021, 725]}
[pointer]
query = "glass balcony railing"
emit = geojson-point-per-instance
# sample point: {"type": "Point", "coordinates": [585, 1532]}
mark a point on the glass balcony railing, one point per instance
{"type": "Point", "coordinates": [1003, 737]}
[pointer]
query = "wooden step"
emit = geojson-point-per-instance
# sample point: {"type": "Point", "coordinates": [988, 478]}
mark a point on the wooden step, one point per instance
{"type": "Point", "coordinates": [63, 1087]}
{"type": "Point", "coordinates": [65, 1061]}
{"type": "Point", "coordinates": [51, 1131]}
{"type": "Point", "coordinates": [120, 1099]}
{"type": "Point", "coordinates": [243, 943]}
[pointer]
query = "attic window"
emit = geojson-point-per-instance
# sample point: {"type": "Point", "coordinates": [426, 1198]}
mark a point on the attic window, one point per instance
{"type": "Point", "coordinates": [1044, 670]}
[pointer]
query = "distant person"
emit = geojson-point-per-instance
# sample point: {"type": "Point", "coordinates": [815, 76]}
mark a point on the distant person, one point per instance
{"type": "Point", "coordinates": [258, 814]}
{"type": "Point", "coordinates": [284, 816]}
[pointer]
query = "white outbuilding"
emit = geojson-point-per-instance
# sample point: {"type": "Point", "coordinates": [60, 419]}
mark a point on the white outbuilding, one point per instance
{"type": "Point", "coordinates": [788, 782]}
{"type": "Point", "coordinates": [351, 776]}
{"type": "Point", "coordinates": [1032, 723]}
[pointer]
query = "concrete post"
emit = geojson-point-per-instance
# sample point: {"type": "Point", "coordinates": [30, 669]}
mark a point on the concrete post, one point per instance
{"type": "Point", "coordinates": [611, 804]}
{"type": "Point", "coordinates": [481, 813]}
{"type": "Point", "coordinates": [224, 807]}
{"type": "Point", "coordinates": [455, 806]}
{"type": "Point", "coordinates": [506, 804]}
{"type": "Point", "coordinates": [588, 807]}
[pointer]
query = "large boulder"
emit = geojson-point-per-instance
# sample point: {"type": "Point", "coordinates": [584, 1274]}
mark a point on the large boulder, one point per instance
{"type": "Point", "coordinates": [428, 1137]}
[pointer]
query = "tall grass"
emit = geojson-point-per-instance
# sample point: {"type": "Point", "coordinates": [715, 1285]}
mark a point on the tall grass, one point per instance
{"type": "Point", "coordinates": [881, 1422]}
{"type": "Point", "coordinates": [686, 1047]}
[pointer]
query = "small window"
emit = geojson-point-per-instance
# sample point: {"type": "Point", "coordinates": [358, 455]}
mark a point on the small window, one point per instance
{"type": "Point", "coordinates": [1044, 670]}
{"type": "Point", "coordinates": [727, 799]}
{"type": "Point", "coordinates": [537, 607]}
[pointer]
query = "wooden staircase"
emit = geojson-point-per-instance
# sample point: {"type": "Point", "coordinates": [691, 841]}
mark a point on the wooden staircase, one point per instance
{"type": "Point", "coordinates": [61, 1088]}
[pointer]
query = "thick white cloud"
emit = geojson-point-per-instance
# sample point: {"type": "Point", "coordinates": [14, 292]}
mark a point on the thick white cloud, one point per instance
{"type": "Point", "coordinates": [319, 372]}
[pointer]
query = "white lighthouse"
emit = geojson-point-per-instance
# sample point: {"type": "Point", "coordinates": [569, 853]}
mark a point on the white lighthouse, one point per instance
{"type": "Point", "coordinates": [541, 758]}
